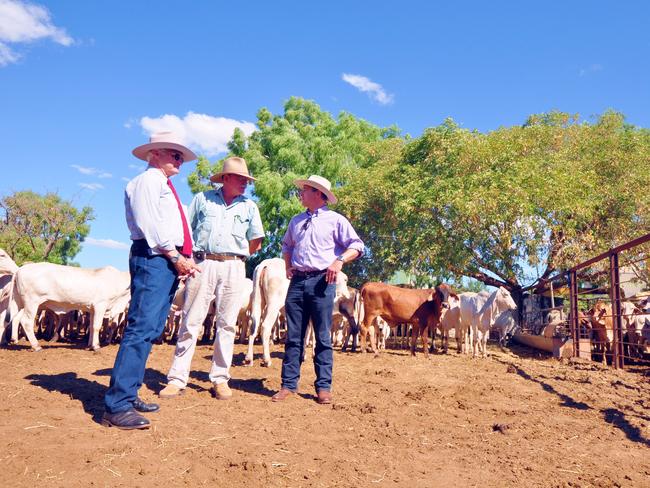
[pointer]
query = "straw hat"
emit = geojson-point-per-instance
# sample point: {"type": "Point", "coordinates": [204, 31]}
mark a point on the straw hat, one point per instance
{"type": "Point", "coordinates": [232, 166]}
{"type": "Point", "coordinates": [320, 183]}
{"type": "Point", "coordinates": [164, 140]}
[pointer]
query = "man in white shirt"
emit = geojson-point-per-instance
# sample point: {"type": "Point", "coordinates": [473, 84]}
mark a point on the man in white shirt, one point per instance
{"type": "Point", "coordinates": [161, 254]}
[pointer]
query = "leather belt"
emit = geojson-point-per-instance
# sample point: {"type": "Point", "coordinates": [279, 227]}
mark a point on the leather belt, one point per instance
{"type": "Point", "coordinates": [141, 248]}
{"type": "Point", "coordinates": [308, 274]}
{"type": "Point", "coordinates": [201, 255]}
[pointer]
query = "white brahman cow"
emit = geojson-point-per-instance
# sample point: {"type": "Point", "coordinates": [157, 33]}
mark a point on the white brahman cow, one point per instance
{"type": "Point", "coordinates": [102, 291]}
{"type": "Point", "coordinates": [270, 285]}
{"type": "Point", "coordinates": [7, 269]}
{"type": "Point", "coordinates": [497, 302]}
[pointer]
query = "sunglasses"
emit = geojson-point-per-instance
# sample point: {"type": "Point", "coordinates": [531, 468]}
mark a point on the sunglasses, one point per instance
{"type": "Point", "coordinates": [305, 188]}
{"type": "Point", "coordinates": [176, 156]}
{"type": "Point", "coordinates": [307, 222]}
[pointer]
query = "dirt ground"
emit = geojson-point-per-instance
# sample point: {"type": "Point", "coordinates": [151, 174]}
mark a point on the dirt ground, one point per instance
{"type": "Point", "coordinates": [515, 419]}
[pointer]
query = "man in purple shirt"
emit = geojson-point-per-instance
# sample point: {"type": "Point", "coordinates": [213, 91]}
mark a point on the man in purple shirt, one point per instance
{"type": "Point", "coordinates": [317, 244]}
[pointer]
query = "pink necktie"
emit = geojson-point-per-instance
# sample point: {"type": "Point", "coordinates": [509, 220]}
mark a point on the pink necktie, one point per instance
{"type": "Point", "coordinates": [187, 238]}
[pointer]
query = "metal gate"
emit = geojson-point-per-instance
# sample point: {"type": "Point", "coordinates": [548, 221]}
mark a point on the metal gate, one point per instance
{"type": "Point", "coordinates": [612, 289]}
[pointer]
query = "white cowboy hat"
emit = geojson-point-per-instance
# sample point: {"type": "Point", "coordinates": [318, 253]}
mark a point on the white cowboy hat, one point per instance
{"type": "Point", "coordinates": [232, 166]}
{"type": "Point", "coordinates": [164, 140]}
{"type": "Point", "coordinates": [320, 183]}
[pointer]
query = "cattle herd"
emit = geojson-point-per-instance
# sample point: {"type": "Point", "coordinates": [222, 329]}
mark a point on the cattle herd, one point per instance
{"type": "Point", "coordinates": [65, 299]}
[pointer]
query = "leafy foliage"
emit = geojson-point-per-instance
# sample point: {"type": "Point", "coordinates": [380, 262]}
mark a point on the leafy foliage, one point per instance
{"type": "Point", "coordinates": [508, 208]}
{"type": "Point", "coordinates": [496, 206]}
{"type": "Point", "coordinates": [42, 227]}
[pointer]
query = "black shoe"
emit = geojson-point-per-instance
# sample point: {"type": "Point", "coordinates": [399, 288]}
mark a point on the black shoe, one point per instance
{"type": "Point", "coordinates": [143, 407]}
{"type": "Point", "coordinates": [128, 420]}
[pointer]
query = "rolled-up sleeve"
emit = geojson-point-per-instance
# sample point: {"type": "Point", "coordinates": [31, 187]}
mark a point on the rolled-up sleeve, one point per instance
{"type": "Point", "coordinates": [255, 230]}
{"type": "Point", "coordinates": [347, 237]}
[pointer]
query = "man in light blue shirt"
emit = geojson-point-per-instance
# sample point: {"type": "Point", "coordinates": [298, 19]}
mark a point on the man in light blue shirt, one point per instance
{"type": "Point", "coordinates": [227, 229]}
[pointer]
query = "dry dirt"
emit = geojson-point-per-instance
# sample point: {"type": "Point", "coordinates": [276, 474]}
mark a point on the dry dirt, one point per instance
{"type": "Point", "coordinates": [515, 419]}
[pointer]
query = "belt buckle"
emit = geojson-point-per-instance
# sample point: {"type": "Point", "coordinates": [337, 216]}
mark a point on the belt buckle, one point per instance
{"type": "Point", "coordinates": [200, 255]}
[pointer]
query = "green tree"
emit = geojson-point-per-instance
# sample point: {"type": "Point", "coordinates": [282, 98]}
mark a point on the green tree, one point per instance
{"type": "Point", "coordinates": [304, 140]}
{"type": "Point", "coordinates": [37, 227]}
{"type": "Point", "coordinates": [509, 207]}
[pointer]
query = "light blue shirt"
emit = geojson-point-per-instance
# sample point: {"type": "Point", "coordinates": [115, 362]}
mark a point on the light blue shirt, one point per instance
{"type": "Point", "coordinates": [218, 228]}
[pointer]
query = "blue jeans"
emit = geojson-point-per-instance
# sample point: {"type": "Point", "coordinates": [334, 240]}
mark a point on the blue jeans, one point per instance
{"type": "Point", "coordinates": [153, 284]}
{"type": "Point", "coordinates": [308, 298]}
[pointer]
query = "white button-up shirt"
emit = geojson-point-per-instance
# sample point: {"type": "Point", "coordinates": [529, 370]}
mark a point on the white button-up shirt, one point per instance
{"type": "Point", "coordinates": [152, 212]}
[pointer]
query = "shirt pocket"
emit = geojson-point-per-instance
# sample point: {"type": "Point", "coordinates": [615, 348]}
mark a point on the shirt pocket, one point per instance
{"type": "Point", "coordinates": [240, 227]}
{"type": "Point", "coordinates": [204, 228]}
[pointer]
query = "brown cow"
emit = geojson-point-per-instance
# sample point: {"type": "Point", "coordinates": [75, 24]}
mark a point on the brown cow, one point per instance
{"type": "Point", "coordinates": [602, 328]}
{"type": "Point", "coordinates": [422, 308]}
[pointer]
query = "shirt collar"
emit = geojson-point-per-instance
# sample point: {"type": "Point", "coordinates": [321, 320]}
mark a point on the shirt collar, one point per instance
{"type": "Point", "coordinates": [238, 198]}
{"type": "Point", "coordinates": [158, 171]}
{"type": "Point", "coordinates": [317, 212]}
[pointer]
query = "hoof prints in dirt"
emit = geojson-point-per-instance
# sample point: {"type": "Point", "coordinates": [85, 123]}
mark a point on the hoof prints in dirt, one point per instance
{"type": "Point", "coordinates": [503, 428]}
{"type": "Point", "coordinates": [420, 393]}
{"type": "Point", "coordinates": [386, 373]}
{"type": "Point", "coordinates": [365, 408]}
{"type": "Point", "coordinates": [368, 408]}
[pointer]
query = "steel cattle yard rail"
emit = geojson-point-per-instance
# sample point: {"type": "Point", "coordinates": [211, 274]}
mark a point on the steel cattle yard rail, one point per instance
{"type": "Point", "coordinates": [608, 266]}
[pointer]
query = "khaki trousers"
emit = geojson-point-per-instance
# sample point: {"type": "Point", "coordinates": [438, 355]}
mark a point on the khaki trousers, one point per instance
{"type": "Point", "coordinates": [221, 281]}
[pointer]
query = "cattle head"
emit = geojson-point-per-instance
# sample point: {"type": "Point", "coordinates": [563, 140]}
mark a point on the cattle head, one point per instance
{"type": "Point", "coordinates": [504, 300]}
{"type": "Point", "coordinates": [7, 265]}
{"type": "Point", "coordinates": [444, 295]}
{"type": "Point", "coordinates": [598, 314]}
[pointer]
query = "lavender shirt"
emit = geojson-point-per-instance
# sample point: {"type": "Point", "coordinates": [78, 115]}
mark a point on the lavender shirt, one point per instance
{"type": "Point", "coordinates": [315, 240]}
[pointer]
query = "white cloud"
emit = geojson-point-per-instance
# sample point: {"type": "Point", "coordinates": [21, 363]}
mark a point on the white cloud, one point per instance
{"type": "Point", "coordinates": [7, 56]}
{"type": "Point", "coordinates": [87, 170]}
{"type": "Point", "coordinates": [84, 170]}
{"type": "Point", "coordinates": [91, 186]}
{"type": "Point", "coordinates": [594, 68]}
{"type": "Point", "coordinates": [124, 178]}
{"type": "Point", "coordinates": [22, 22]}
{"type": "Point", "coordinates": [374, 90]}
{"type": "Point", "coordinates": [137, 167]}
{"type": "Point", "coordinates": [206, 134]}
{"type": "Point", "coordinates": [108, 243]}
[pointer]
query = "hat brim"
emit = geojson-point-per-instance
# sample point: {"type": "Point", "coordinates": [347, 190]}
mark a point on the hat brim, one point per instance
{"type": "Point", "coordinates": [218, 177]}
{"type": "Point", "coordinates": [141, 152]}
{"type": "Point", "coordinates": [330, 196]}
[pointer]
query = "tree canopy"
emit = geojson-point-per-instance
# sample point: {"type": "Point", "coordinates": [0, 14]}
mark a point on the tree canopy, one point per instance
{"type": "Point", "coordinates": [42, 227]}
{"type": "Point", "coordinates": [508, 207]}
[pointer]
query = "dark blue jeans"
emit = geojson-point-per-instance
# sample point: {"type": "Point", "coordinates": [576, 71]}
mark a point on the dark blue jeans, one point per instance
{"type": "Point", "coordinates": [153, 284]}
{"type": "Point", "coordinates": [308, 298]}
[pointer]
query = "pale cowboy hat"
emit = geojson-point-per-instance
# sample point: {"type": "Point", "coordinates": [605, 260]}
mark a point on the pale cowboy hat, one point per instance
{"type": "Point", "coordinates": [320, 183]}
{"type": "Point", "coordinates": [232, 166]}
{"type": "Point", "coordinates": [164, 140]}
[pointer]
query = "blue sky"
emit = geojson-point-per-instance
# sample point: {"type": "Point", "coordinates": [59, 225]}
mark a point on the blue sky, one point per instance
{"type": "Point", "coordinates": [83, 82]}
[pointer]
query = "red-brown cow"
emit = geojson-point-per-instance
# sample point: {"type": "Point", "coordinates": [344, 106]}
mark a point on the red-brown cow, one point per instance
{"type": "Point", "coordinates": [422, 308]}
